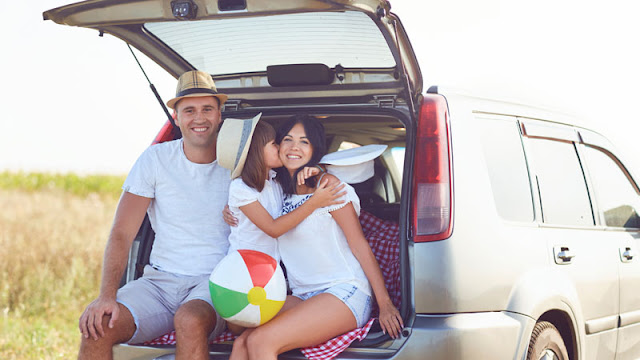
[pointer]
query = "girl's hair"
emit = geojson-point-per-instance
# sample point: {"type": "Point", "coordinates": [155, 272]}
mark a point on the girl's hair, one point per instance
{"type": "Point", "coordinates": [314, 131]}
{"type": "Point", "coordinates": [254, 171]}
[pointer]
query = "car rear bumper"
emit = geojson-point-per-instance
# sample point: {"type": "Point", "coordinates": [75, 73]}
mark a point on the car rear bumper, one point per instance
{"type": "Point", "coordinates": [484, 335]}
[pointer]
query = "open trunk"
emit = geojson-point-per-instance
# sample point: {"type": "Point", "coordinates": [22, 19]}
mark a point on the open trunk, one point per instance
{"type": "Point", "coordinates": [381, 199]}
{"type": "Point", "coordinates": [348, 63]}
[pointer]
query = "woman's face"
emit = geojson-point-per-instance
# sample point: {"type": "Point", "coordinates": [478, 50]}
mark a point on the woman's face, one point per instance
{"type": "Point", "coordinates": [295, 148]}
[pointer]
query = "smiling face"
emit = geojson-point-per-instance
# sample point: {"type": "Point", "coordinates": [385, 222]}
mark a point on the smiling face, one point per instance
{"type": "Point", "coordinates": [199, 120]}
{"type": "Point", "coordinates": [295, 148]}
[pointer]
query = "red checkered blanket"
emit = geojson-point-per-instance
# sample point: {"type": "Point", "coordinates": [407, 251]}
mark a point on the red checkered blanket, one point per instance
{"type": "Point", "coordinates": [383, 239]}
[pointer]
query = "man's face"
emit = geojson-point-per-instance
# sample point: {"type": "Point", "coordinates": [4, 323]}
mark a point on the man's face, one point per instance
{"type": "Point", "coordinates": [198, 119]}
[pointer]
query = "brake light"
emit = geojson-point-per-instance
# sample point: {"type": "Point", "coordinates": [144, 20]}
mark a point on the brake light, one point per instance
{"type": "Point", "coordinates": [166, 133]}
{"type": "Point", "coordinates": [432, 172]}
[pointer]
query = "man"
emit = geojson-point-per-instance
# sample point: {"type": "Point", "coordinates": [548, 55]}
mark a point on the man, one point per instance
{"type": "Point", "coordinates": [183, 189]}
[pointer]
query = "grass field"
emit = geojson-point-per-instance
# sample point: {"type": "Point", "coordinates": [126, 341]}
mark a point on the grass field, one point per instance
{"type": "Point", "coordinates": [53, 229]}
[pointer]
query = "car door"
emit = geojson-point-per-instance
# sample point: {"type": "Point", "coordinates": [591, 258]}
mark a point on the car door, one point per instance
{"type": "Point", "coordinates": [617, 204]}
{"type": "Point", "coordinates": [582, 255]}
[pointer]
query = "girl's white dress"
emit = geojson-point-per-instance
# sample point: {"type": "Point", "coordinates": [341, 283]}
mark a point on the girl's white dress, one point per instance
{"type": "Point", "coordinates": [247, 235]}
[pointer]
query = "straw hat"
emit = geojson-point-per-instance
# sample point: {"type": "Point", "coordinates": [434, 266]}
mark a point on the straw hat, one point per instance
{"type": "Point", "coordinates": [234, 139]}
{"type": "Point", "coordinates": [196, 83]}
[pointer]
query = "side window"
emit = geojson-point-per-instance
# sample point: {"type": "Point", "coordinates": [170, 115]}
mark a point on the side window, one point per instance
{"type": "Point", "coordinates": [616, 197]}
{"type": "Point", "coordinates": [561, 183]}
{"type": "Point", "coordinates": [507, 169]}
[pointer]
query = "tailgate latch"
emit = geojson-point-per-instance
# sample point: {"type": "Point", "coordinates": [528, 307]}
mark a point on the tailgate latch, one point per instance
{"type": "Point", "coordinates": [231, 105]}
{"type": "Point", "coordinates": [385, 100]}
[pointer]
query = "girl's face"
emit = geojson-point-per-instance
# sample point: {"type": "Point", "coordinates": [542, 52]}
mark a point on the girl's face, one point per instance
{"type": "Point", "coordinates": [295, 148]}
{"type": "Point", "coordinates": [271, 157]}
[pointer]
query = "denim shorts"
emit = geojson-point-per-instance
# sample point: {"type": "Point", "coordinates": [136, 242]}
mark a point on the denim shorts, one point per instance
{"type": "Point", "coordinates": [358, 302]}
{"type": "Point", "coordinates": [154, 298]}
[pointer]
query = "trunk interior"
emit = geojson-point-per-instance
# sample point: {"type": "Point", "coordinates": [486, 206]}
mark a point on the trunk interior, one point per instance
{"type": "Point", "coordinates": [381, 196]}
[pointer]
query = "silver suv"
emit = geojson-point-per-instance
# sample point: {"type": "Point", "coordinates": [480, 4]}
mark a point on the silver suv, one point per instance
{"type": "Point", "coordinates": [515, 231]}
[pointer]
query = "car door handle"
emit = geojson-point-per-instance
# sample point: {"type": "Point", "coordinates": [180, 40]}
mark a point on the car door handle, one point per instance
{"type": "Point", "coordinates": [563, 255]}
{"type": "Point", "coordinates": [627, 254]}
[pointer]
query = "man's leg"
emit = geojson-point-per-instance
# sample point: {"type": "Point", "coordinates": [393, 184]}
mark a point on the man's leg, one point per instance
{"type": "Point", "coordinates": [123, 329]}
{"type": "Point", "coordinates": [194, 321]}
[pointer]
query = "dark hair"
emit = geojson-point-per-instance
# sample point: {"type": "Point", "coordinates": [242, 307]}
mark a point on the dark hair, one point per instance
{"type": "Point", "coordinates": [254, 171]}
{"type": "Point", "coordinates": [314, 131]}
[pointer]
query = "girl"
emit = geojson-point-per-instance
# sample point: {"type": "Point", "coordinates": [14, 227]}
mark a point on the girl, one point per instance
{"type": "Point", "coordinates": [255, 197]}
{"type": "Point", "coordinates": [331, 268]}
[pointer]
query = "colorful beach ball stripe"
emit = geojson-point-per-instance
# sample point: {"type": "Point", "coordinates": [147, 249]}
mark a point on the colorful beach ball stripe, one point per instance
{"type": "Point", "coordinates": [247, 288]}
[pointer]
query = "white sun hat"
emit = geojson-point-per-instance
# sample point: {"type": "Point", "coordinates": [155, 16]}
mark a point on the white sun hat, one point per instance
{"type": "Point", "coordinates": [354, 165]}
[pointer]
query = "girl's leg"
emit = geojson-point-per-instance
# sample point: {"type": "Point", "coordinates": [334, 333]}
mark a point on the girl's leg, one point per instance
{"type": "Point", "coordinates": [239, 351]}
{"type": "Point", "coordinates": [310, 322]}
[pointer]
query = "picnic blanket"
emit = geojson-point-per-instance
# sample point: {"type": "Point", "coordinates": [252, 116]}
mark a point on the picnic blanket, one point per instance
{"type": "Point", "coordinates": [383, 237]}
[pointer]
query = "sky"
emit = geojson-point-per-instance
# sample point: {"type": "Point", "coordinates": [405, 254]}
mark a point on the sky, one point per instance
{"type": "Point", "coordinates": [77, 102]}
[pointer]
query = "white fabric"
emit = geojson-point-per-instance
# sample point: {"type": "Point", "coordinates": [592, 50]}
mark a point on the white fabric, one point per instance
{"type": "Point", "coordinates": [316, 253]}
{"type": "Point", "coordinates": [354, 156]}
{"type": "Point", "coordinates": [354, 165]}
{"type": "Point", "coordinates": [185, 210]}
{"type": "Point", "coordinates": [353, 174]}
{"type": "Point", "coordinates": [247, 235]}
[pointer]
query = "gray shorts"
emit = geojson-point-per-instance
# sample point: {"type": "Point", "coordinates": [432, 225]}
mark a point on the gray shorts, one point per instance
{"type": "Point", "coordinates": [154, 299]}
{"type": "Point", "coordinates": [356, 300]}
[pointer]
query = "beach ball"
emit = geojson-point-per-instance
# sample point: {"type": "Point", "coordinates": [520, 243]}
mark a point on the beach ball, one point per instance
{"type": "Point", "coordinates": [247, 288]}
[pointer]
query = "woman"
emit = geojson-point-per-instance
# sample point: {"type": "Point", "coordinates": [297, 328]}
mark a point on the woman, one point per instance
{"type": "Point", "coordinates": [331, 268]}
{"type": "Point", "coordinates": [254, 195]}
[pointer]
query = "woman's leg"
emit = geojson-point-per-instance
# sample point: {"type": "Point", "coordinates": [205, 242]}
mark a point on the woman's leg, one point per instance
{"type": "Point", "coordinates": [308, 323]}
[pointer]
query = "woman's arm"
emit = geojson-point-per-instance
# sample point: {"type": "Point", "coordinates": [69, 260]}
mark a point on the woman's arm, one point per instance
{"type": "Point", "coordinates": [347, 219]}
{"type": "Point", "coordinates": [323, 196]}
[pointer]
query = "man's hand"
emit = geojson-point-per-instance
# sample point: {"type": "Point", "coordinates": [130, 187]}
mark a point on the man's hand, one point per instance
{"type": "Point", "coordinates": [228, 217]}
{"type": "Point", "coordinates": [90, 323]}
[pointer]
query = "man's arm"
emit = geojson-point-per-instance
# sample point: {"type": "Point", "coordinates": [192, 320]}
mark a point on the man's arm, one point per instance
{"type": "Point", "coordinates": [128, 218]}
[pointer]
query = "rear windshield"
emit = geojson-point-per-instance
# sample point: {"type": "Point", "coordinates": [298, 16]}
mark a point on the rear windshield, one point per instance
{"type": "Point", "coordinates": [237, 45]}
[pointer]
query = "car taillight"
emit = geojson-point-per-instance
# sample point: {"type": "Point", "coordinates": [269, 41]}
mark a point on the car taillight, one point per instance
{"type": "Point", "coordinates": [432, 172]}
{"type": "Point", "coordinates": [166, 133]}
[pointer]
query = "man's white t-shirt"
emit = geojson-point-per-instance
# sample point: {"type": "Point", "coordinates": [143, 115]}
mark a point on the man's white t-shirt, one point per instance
{"type": "Point", "coordinates": [247, 235]}
{"type": "Point", "coordinates": [185, 210]}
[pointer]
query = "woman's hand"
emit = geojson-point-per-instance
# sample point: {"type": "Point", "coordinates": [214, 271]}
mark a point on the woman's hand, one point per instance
{"type": "Point", "coordinates": [228, 217]}
{"type": "Point", "coordinates": [390, 319]}
{"type": "Point", "coordinates": [327, 195]}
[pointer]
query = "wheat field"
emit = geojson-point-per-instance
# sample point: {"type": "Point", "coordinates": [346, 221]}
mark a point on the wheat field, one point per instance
{"type": "Point", "coordinates": [53, 230]}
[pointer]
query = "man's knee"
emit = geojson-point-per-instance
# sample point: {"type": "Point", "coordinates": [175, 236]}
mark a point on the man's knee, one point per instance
{"type": "Point", "coordinates": [123, 329]}
{"type": "Point", "coordinates": [195, 315]}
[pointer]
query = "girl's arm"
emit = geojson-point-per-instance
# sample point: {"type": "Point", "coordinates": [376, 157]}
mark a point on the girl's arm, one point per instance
{"type": "Point", "coordinates": [323, 196]}
{"type": "Point", "coordinates": [347, 219]}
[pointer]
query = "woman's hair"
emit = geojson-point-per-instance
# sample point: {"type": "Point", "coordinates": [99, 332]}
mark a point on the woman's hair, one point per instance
{"type": "Point", "coordinates": [314, 131]}
{"type": "Point", "coordinates": [254, 171]}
